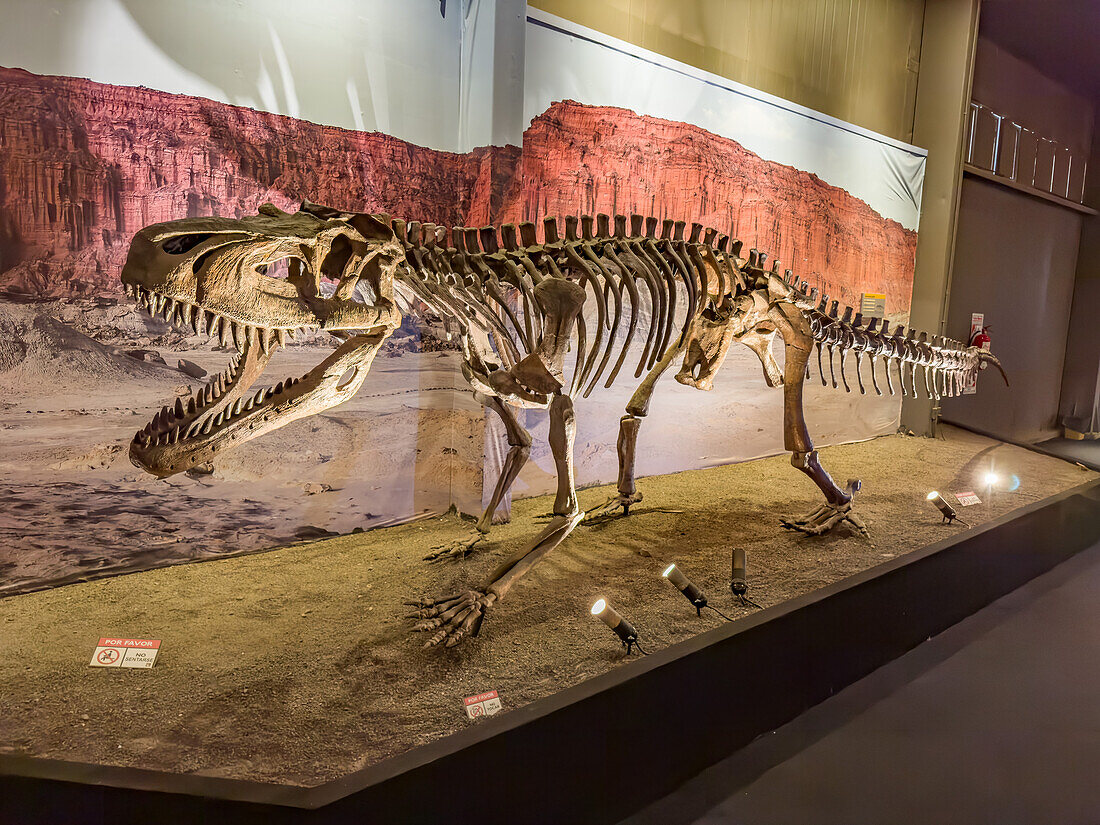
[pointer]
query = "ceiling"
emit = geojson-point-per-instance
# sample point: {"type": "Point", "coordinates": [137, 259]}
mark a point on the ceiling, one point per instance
{"type": "Point", "coordinates": [1060, 38]}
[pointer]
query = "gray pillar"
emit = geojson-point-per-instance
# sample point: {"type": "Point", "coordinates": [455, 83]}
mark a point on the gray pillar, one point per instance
{"type": "Point", "coordinates": [943, 96]}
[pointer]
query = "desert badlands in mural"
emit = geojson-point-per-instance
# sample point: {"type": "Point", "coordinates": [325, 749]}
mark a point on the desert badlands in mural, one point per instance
{"type": "Point", "coordinates": [84, 165]}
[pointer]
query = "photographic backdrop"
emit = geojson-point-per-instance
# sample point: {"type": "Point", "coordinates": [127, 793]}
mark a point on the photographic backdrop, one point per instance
{"type": "Point", "coordinates": [255, 102]}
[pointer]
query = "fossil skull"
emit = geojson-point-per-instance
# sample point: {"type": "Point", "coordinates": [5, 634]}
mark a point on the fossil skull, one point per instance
{"type": "Point", "coordinates": [252, 282]}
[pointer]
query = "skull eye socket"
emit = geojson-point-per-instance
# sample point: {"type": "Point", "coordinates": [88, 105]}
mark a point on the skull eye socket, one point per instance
{"type": "Point", "coordinates": [279, 270]}
{"type": "Point", "coordinates": [183, 243]}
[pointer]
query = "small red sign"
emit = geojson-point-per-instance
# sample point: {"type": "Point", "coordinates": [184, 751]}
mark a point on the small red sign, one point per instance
{"type": "Point", "coordinates": [481, 697]}
{"type": "Point", "coordinates": [125, 653]}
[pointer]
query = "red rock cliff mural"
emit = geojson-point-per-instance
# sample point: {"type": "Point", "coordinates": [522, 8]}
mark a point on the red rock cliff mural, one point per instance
{"type": "Point", "coordinates": [84, 165]}
{"type": "Point", "coordinates": [593, 159]}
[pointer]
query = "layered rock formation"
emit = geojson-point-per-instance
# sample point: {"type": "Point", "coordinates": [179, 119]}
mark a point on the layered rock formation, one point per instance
{"type": "Point", "coordinates": [579, 158]}
{"type": "Point", "coordinates": [84, 165]}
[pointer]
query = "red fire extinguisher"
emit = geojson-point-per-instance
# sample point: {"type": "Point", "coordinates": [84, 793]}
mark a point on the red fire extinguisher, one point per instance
{"type": "Point", "coordinates": [981, 340]}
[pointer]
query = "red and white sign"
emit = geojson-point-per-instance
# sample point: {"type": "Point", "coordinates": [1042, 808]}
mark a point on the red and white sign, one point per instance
{"type": "Point", "coordinates": [484, 704]}
{"type": "Point", "coordinates": [977, 322]}
{"type": "Point", "coordinates": [967, 498]}
{"type": "Point", "coordinates": [125, 653]}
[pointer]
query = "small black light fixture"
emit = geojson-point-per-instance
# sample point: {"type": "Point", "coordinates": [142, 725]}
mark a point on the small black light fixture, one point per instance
{"type": "Point", "coordinates": [739, 580]}
{"type": "Point", "coordinates": [622, 628]}
{"type": "Point", "coordinates": [692, 593]}
{"type": "Point", "coordinates": [949, 514]}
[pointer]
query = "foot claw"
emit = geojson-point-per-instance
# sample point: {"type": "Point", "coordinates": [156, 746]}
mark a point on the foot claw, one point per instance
{"type": "Point", "coordinates": [457, 549]}
{"type": "Point", "coordinates": [455, 617]}
{"type": "Point", "coordinates": [825, 518]}
{"type": "Point", "coordinates": [611, 507]}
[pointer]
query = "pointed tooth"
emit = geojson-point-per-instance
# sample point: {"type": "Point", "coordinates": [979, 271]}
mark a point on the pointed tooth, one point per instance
{"type": "Point", "coordinates": [193, 318]}
{"type": "Point", "coordinates": [258, 397]}
{"type": "Point", "coordinates": [192, 430]}
{"type": "Point", "coordinates": [155, 303]}
{"type": "Point", "coordinates": [238, 406]}
{"type": "Point", "coordinates": [224, 328]}
{"type": "Point", "coordinates": [280, 335]}
{"type": "Point", "coordinates": [236, 334]}
{"type": "Point", "coordinates": [219, 418]}
{"type": "Point", "coordinates": [250, 334]}
{"type": "Point", "coordinates": [263, 333]}
{"type": "Point", "coordinates": [169, 308]}
{"type": "Point", "coordinates": [279, 388]}
{"type": "Point", "coordinates": [178, 408]}
{"type": "Point", "coordinates": [208, 426]}
{"type": "Point", "coordinates": [174, 436]}
{"type": "Point", "coordinates": [209, 321]}
{"type": "Point", "coordinates": [250, 404]}
{"type": "Point", "coordinates": [192, 407]}
{"type": "Point", "coordinates": [291, 333]}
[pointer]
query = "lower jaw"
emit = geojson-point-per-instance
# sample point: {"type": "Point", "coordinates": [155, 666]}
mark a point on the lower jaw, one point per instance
{"type": "Point", "coordinates": [355, 353]}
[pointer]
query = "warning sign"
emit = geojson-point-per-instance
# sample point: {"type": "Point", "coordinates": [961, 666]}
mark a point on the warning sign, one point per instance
{"type": "Point", "coordinates": [125, 653]}
{"type": "Point", "coordinates": [967, 498]}
{"type": "Point", "coordinates": [484, 704]}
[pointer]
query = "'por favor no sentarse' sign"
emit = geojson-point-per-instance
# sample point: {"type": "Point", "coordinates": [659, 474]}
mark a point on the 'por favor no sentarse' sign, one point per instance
{"type": "Point", "coordinates": [125, 653]}
{"type": "Point", "coordinates": [484, 704]}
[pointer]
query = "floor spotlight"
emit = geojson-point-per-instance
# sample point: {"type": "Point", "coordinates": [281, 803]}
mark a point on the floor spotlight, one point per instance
{"type": "Point", "coordinates": [623, 629]}
{"type": "Point", "coordinates": [692, 593]}
{"type": "Point", "coordinates": [949, 514]}
{"type": "Point", "coordinates": [739, 580]}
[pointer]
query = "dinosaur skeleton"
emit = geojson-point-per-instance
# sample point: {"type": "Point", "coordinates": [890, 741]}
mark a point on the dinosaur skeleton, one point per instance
{"type": "Point", "coordinates": [518, 306]}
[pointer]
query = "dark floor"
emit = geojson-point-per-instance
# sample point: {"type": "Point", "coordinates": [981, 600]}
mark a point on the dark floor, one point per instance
{"type": "Point", "coordinates": [996, 720]}
{"type": "Point", "coordinates": [1085, 452]}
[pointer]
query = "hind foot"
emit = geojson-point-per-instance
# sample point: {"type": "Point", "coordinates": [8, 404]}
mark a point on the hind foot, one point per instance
{"type": "Point", "coordinates": [457, 549]}
{"type": "Point", "coordinates": [612, 506]}
{"type": "Point", "coordinates": [825, 518]}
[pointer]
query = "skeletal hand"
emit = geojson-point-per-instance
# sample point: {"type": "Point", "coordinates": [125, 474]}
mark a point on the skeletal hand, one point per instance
{"type": "Point", "coordinates": [454, 617]}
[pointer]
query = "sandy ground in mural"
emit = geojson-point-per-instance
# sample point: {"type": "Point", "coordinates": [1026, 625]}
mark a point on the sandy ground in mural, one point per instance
{"type": "Point", "coordinates": [407, 445]}
{"type": "Point", "coordinates": [296, 666]}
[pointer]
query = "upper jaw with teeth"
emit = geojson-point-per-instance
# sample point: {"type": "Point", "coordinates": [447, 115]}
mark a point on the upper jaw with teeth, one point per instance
{"type": "Point", "coordinates": [228, 332]}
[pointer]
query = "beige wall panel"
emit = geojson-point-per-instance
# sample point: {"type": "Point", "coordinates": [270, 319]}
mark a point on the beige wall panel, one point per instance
{"type": "Point", "coordinates": [856, 60]}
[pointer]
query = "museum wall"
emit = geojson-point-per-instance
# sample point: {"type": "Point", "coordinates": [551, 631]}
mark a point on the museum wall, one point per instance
{"type": "Point", "coordinates": [1015, 261]}
{"type": "Point", "coordinates": [1079, 410]}
{"type": "Point", "coordinates": [856, 60]}
{"type": "Point", "coordinates": [116, 114]}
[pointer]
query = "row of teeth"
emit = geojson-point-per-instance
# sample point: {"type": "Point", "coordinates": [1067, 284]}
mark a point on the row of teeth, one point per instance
{"type": "Point", "coordinates": [168, 428]}
{"type": "Point", "coordinates": [201, 320]}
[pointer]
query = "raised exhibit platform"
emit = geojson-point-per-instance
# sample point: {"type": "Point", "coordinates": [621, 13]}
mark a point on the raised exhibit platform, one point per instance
{"type": "Point", "coordinates": [575, 753]}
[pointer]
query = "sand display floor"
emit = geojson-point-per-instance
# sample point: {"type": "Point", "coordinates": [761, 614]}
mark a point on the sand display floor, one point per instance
{"type": "Point", "coordinates": [297, 666]}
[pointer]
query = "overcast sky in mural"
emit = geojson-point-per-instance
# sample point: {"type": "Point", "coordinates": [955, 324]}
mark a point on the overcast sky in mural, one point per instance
{"type": "Point", "coordinates": [886, 174]}
{"type": "Point", "coordinates": [372, 65]}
